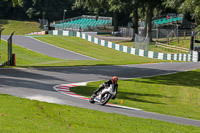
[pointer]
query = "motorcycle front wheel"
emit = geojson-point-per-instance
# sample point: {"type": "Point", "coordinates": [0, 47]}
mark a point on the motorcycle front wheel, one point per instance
{"type": "Point", "coordinates": [91, 100]}
{"type": "Point", "coordinates": [105, 98]}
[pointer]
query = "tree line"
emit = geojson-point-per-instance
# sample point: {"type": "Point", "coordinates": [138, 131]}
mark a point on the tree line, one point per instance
{"type": "Point", "coordinates": [143, 10]}
{"type": "Point", "coordinates": [120, 10]}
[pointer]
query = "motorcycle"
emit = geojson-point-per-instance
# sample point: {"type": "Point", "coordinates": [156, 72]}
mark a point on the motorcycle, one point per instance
{"type": "Point", "coordinates": [104, 96]}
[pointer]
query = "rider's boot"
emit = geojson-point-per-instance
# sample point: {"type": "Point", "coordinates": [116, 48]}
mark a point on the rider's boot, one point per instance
{"type": "Point", "coordinates": [95, 93]}
{"type": "Point", "coordinates": [114, 97]}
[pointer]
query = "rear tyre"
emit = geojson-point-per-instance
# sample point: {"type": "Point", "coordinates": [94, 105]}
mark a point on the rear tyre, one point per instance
{"type": "Point", "coordinates": [105, 98]}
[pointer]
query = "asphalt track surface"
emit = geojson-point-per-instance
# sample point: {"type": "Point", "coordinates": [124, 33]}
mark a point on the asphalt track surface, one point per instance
{"type": "Point", "coordinates": [45, 48]}
{"type": "Point", "coordinates": [37, 83]}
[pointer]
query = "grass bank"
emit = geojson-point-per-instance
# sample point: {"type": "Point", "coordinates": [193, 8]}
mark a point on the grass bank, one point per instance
{"type": "Point", "coordinates": [106, 56]}
{"type": "Point", "coordinates": [175, 94]}
{"type": "Point", "coordinates": [20, 27]}
{"type": "Point", "coordinates": [183, 42]}
{"type": "Point", "coordinates": [23, 115]}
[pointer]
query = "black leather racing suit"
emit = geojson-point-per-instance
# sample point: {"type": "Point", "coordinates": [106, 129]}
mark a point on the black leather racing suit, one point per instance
{"type": "Point", "coordinates": [107, 83]}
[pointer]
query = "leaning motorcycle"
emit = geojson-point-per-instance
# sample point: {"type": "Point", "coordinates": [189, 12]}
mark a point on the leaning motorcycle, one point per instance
{"type": "Point", "coordinates": [103, 96]}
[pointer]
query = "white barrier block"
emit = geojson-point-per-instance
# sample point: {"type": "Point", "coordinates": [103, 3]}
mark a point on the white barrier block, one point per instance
{"type": "Point", "coordinates": [175, 56]}
{"type": "Point", "coordinates": [83, 35]}
{"type": "Point", "coordinates": [189, 57]}
{"type": "Point", "coordinates": [180, 57]}
{"type": "Point", "coordinates": [96, 40]}
{"type": "Point", "coordinates": [55, 32]}
{"type": "Point", "coordinates": [184, 57]}
{"type": "Point", "coordinates": [110, 44]}
{"type": "Point", "coordinates": [89, 38]}
{"type": "Point", "coordinates": [141, 52]}
{"type": "Point", "coordinates": [66, 33]}
{"type": "Point", "coordinates": [169, 56]}
{"type": "Point", "coordinates": [116, 46]}
{"type": "Point", "coordinates": [133, 51]}
{"type": "Point", "coordinates": [195, 56]}
{"type": "Point", "coordinates": [150, 55]}
{"type": "Point", "coordinates": [160, 56]}
{"type": "Point", "coordinates": [78, 34]}
{"type": "Point", "coordinates": [102, 42]}
{"type": "Point", "coordinates": [125, 49]}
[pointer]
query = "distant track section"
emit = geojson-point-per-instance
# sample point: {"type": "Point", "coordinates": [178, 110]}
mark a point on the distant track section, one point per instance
{"type": "Point", "coordinates": [46, 49]}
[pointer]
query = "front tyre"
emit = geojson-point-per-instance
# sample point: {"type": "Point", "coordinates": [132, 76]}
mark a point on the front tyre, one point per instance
{"type": "Point", "coordinates": [105, 98]}
{"type": "Point", "coordinates": [91, 100]}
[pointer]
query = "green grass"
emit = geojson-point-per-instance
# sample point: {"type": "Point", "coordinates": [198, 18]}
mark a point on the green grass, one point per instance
{"type": "Point", "coordinates": [175, 94]}
{"type": "Point", "coordinates": [20, 27]}
{"type": "Point", "coordinates": [185, 43]}
{"type": "Point", "coordinates": [105, 55]}
{"type": "Point", "coordinates": [19, 115]}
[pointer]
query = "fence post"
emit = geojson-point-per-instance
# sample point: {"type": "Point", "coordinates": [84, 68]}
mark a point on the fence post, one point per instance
{"type": "Point", "coordinates": [10, 57]}
{"type": "Point", "coordinates": [0, 33]}
{"type": "Point", "coordinates": [177, 34]}
{"type": "Point", "coordinates": [168, 37]}
{"type": "Point", "coordinates": [192, 42]}
{"type": "Point", "coordinates": [157, 34]}
{"type": "Point", "coordinates": [0, 41]}
{"type": "Point", "coordinates": [184, 34]}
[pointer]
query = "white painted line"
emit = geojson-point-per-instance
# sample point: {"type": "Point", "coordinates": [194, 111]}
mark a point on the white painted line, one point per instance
{"type": "Point", "coordinates": [42, 98]}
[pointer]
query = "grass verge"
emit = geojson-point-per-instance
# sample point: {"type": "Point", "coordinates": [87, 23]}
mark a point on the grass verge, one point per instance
{"type": "Point", "coordinates": [20, 27]}
{"type": "Point", "coordinates": [175, 94]}
{"type": "Point", "coordinates": [184, 42]}
{"type": "Point", "coordinates": [106, 56]}
{"type": "Point", "coordinates": [23, 115]}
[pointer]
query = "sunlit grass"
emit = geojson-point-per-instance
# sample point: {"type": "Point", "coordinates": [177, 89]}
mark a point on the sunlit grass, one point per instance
{"type": "Point", "coordinates": [23, 115]}
{"type": "Point", "coordinates": [20, 27]}
{"type": "Point", "coordinates": [176, 94]}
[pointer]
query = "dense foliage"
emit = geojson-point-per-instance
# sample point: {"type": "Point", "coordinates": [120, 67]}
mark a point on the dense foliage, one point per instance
{"type": "Point", "coordinates": [35, 9]}
{"type": "Point", "coordinates": [122, 11]}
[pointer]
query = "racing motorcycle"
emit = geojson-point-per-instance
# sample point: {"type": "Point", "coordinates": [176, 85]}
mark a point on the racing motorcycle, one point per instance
{"type": "Point", "coordinates": [103, 96]}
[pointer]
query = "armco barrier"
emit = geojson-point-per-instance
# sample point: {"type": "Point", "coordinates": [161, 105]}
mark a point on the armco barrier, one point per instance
{"type": "Point", "coordinates": [193, 56]}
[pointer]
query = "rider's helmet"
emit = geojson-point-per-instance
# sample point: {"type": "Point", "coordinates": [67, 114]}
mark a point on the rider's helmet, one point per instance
{"type": "Point", "coordinates": [114, 79]}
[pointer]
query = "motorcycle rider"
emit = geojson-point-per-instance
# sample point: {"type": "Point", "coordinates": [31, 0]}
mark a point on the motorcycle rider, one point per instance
{"type": "Point", "coordinates": [108, 83]}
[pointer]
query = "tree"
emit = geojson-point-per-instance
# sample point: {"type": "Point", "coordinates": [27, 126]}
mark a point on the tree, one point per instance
{"type": "Point", "coordinates": [186, 6]}
{"type": "Point", "coordinates": [150, 6]}
{"type": "Point", "coordinates": [105, 6]}
{"type": "Point", "coordinates": [116, 6]}
{"type": "Point", "coordinates": [10, 8]}
{"type": "Point", "coordinates": [133, 6]}
{"type": "Point", "coordinates": [47, 9]}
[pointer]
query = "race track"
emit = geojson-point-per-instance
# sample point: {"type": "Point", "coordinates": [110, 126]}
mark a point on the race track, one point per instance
{"type": "Point", "coordinates": [45, 48]}
{"type": "Point", "coordinates": [37, 83]}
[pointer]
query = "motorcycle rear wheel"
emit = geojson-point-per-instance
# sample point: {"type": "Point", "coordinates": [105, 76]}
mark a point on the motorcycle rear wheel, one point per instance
{"type": "Point", "coordinates": [105, 98]}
